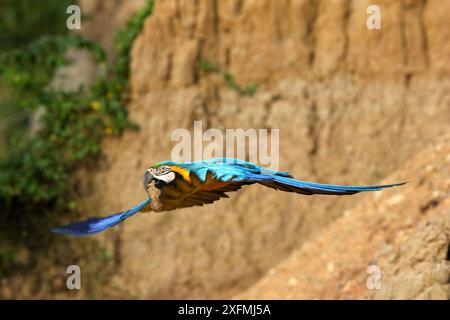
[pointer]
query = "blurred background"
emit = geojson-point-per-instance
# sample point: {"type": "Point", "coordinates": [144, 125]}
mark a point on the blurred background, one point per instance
{"type": "Point", "coordinates": [84, 112]}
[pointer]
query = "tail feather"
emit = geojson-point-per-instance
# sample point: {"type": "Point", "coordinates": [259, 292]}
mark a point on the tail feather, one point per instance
{"type": "Point", "coordinates": [303, 187]}
{"type": "Point", "coordinates": [95, 225]}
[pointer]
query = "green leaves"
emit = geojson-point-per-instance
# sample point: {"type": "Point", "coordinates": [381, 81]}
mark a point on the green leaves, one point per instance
{"type": "Point", "coordinates": [248, 90]}
{"type": "Point", "coordinates": [23, 21]}
{"type": "Point", "coordinates": [36, 171]}
{"type": "Point", "coordinates": [209, 67]}
{"type": "Point", "coordinates": [125, 37]}
{"type": "Point", "coordinates": [32, 68]}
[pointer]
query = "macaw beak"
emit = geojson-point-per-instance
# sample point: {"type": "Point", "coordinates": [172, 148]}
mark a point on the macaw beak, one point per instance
{"type": "Point", "coordinates": [148, 177]}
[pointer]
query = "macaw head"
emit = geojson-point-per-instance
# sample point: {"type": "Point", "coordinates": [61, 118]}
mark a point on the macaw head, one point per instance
{"type": "Point", "coordinates": [160, 174]}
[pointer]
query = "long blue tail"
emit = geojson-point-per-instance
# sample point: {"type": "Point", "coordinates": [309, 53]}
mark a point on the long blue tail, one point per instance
{"type": "Point", "coordinates": [288, 184]}
{"type": "Point", "coordinates": [95, 225]}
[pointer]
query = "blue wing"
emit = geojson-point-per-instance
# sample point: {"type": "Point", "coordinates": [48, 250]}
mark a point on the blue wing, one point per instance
{"type": "Point", "coordinates": [309, 188]}
{"type": "Point", "coordinates": [224, 169]}
{"type": "Point", "coordinates": [94, 225]}
{"type": "Point", "coordinates": [241, 172]}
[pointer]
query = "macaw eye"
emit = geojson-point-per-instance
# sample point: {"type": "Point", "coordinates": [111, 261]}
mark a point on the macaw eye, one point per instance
{"type": "Point", "coordinates": [163, 170]}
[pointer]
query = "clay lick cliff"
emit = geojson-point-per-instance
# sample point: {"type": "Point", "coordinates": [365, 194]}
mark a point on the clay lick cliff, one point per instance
{"type": "Point", "coordinates": [353, 106]}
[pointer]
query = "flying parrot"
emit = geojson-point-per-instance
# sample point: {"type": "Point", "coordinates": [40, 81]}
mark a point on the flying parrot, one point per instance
{"type": "Point", "coordinates": [173, 185]}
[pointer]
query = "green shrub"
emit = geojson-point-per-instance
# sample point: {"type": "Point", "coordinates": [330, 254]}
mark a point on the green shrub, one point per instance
{"type": "Point", "coordinates": [209, 67]}
{"type": "Point", "coordinates": [24, 21]}
{"type": "Point", "coordinates": [35, 173]}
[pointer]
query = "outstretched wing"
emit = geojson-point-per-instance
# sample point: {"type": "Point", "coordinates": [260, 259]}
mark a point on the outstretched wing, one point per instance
{"type": "Point", "coordinates": [94, 225]}
{"type": "Point", "coordinates": [195, 192]}
{"type": "Point", "coordinates": [239, 172]}
{"type": "Point", "coordinates": [201, 197]}
{"type": "Point", "coordinates": [309, 188]}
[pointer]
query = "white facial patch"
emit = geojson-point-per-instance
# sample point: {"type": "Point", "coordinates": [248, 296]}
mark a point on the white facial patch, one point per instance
{"type": "Point", "coordinates": [167, 178]}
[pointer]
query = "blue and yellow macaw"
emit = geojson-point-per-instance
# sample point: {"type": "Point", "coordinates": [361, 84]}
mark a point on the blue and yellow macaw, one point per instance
{"type": "Point", "coordinates": [173, 185]}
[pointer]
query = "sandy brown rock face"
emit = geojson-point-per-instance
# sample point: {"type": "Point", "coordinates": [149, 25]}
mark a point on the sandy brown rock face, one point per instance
{"type": "Point", "coordinates": [404, 232]}
{"type": "Point", "coordinates": [352, 105]}
{"type": "Point", "coordinates": [419, 268]}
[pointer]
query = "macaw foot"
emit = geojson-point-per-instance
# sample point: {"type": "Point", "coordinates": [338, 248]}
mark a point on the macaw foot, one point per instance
{"type": "Point", "coordinates": [154, 193]}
